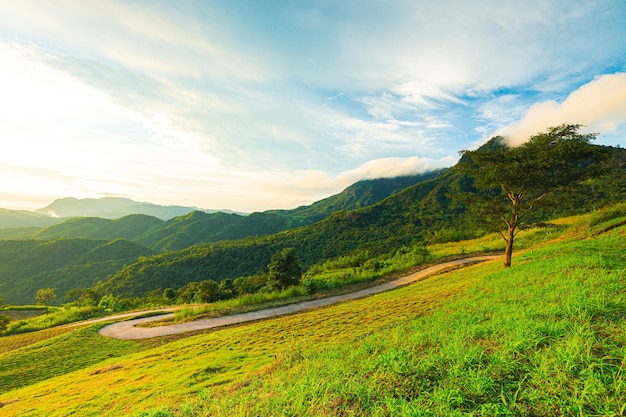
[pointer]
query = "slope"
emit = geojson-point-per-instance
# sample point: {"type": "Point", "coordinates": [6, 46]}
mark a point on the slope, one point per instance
{"type": "Point", "coordinates": [129, 227]}
{"type": "Point", "coordinates": [23, 218]}
{"type": "Point", "coordinates": [482, 341]}
{"type": "Point", "coordinates": [64, 264]}
{"type": "Point", "coordinates": [424, 212]}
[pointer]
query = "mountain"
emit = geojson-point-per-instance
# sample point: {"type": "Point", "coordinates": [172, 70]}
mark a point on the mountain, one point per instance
{"type": "Point", "coordinates": [195, 228]}
{"type": "Point", "coordinates": [64, 264]}
{"type": "Point", "coordinates": [200, 227]}
{"type": "Point", "coordinates": [23, 218]}
{"type": "Point", "coordinates": [129, 227]}
{"type": "Point", "coordinates": [111, 208]}
{"type": "Point", "coordinates": [80, 251]}
{"type": "Point", "coordinates": [422, 213]}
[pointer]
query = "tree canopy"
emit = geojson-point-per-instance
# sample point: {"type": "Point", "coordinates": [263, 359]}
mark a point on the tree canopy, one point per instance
{"type": "Point", "coordinates": [512, 181]}
{"type": "Point", "coordinates": [284, 269]}
{"type": "Point", "coordinates": [46, 296]}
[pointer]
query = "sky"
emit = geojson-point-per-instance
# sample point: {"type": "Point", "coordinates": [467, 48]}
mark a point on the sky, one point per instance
{"type": "Point", "coordinates": [253, 105]}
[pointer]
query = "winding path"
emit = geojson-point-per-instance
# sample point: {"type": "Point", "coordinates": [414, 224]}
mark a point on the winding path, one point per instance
{"type": "Point", "coordinates": [127, 330]}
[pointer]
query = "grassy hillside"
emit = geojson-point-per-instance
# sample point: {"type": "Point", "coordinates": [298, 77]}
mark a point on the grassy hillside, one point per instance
{"type": "Point", "coordinates": [542, 338]}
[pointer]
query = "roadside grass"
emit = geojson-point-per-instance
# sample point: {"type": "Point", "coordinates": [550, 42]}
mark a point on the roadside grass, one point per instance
{"type": "Point", "coordinates": [56, 317]}
{"type": "Point", "coordinates": [22, 312]}
{"type": "Point", "coordinates": [545, 337]}
{"type": "Point", "coordinates": [13, 342]}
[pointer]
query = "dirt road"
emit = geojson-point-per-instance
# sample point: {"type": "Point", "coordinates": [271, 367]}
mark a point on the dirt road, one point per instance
{"type": "Point", "coordinates": [127, 330]}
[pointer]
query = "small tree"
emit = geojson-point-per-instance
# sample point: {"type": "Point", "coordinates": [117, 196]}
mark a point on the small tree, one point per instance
{"type": "Point", "coordinates": [4, 322]}
{"type": "Point", "coordinates": [46, 296]}
{"type": "Point", "coordinates": [284, 270]}
{"type": "Point", "coordinates": [512, 181]}
{"type": "Point", "coordinates": [169, 295]}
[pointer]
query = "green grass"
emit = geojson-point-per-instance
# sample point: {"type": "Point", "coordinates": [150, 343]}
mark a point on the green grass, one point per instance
{"type": "Point", "coordinates": [56, 317]}
{"type": "Point", "coordinates": [545, 337]}
{"type": "Point", "coordinates": [59, 355]}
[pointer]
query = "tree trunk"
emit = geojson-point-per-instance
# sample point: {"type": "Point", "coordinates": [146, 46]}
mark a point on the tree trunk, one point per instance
{"type": "Point", "coordinates": [508, 252]}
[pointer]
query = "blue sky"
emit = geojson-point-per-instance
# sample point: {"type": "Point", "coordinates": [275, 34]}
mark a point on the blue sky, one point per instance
{"type": "Point", "coordinates": [253, 105]}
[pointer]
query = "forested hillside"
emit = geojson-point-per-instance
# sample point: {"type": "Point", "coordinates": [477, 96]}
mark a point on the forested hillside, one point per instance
{"type": "Point", "coordinates": [65, 264]}
{"type": "Point", "coordinates": [425, 212]}
{"type": "Point", "coordinates": [123, 254]}
{"type": "Point", "coordinates": [200, 227]}
{"type": "Point", "coordinates": [77, 265]}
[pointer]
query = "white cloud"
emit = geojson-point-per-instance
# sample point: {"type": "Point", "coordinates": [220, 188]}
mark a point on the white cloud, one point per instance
{"type": "Point", "coordinates": [599, 105]}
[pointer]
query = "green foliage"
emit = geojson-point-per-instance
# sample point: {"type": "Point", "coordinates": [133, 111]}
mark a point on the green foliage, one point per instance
{"type": "Point", "coordinates": [198, 292]}
{"type": "Point", "coordinates": [26, 266]}
{"type": "Point", "coordinates": [110, 303]}
{"type": "Point", "coordinates": [4, 322]}
{"type": "Point", "coordinates": [46, 296]}
{"type": "Point", "coordinates": [513, 181]}
{"type": "Point", "coordinates": [55, 317]}
{"type": "Point", "coordinates": [284, 270]}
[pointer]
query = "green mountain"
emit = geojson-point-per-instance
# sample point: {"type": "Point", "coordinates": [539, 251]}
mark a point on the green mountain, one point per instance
{"type": "Point", "coordinates": [128, 227]}
{"type": "Point", "coordinates": [23, 218]}
{"type": "Point", "coordinates": [200, 227]}
{"type": "Point", "coordinates": [64, 264]}
{"type": "Point", "coordinates": [227, 245]}
{"type": "Point", "coordinates": [422, 213]}
{"type": "Point", "coordinates": [96, 248]}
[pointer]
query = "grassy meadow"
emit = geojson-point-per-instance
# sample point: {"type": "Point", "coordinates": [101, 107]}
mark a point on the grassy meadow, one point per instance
{"type": "Point", "coordinates": [544, 338]}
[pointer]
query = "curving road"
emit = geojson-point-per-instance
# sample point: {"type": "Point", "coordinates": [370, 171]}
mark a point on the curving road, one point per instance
{"type": "Point", "coordinates": [127, 330]}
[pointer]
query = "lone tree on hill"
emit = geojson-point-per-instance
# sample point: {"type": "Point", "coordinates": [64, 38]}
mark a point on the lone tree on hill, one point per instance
{"type": "Point", "coordinates": [284, 270]}
{"type": "Point", "coordinates": [46, 296]}
{"type": "Point", "coordinates": [512, 181]}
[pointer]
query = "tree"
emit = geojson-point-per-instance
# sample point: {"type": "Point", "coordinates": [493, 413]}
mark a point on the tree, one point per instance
{"type": "Point", "coordinates": [169, 295]}
{"type": "Point", "coordinates": [510, 182]}
{"type": "Point", "coordinates": [4, 323]}
{"type": "Point", "coordinates": [46, 296]}
{"type": "Point", "coordinates": [284, 270]}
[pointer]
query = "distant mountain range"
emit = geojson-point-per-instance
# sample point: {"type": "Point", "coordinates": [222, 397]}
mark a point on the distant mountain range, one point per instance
{"type": "Point", "coordinates": [104, 208]}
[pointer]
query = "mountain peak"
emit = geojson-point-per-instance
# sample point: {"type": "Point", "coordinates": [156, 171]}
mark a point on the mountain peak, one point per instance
{"type": "Point", "coordinates": [111, 208]}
